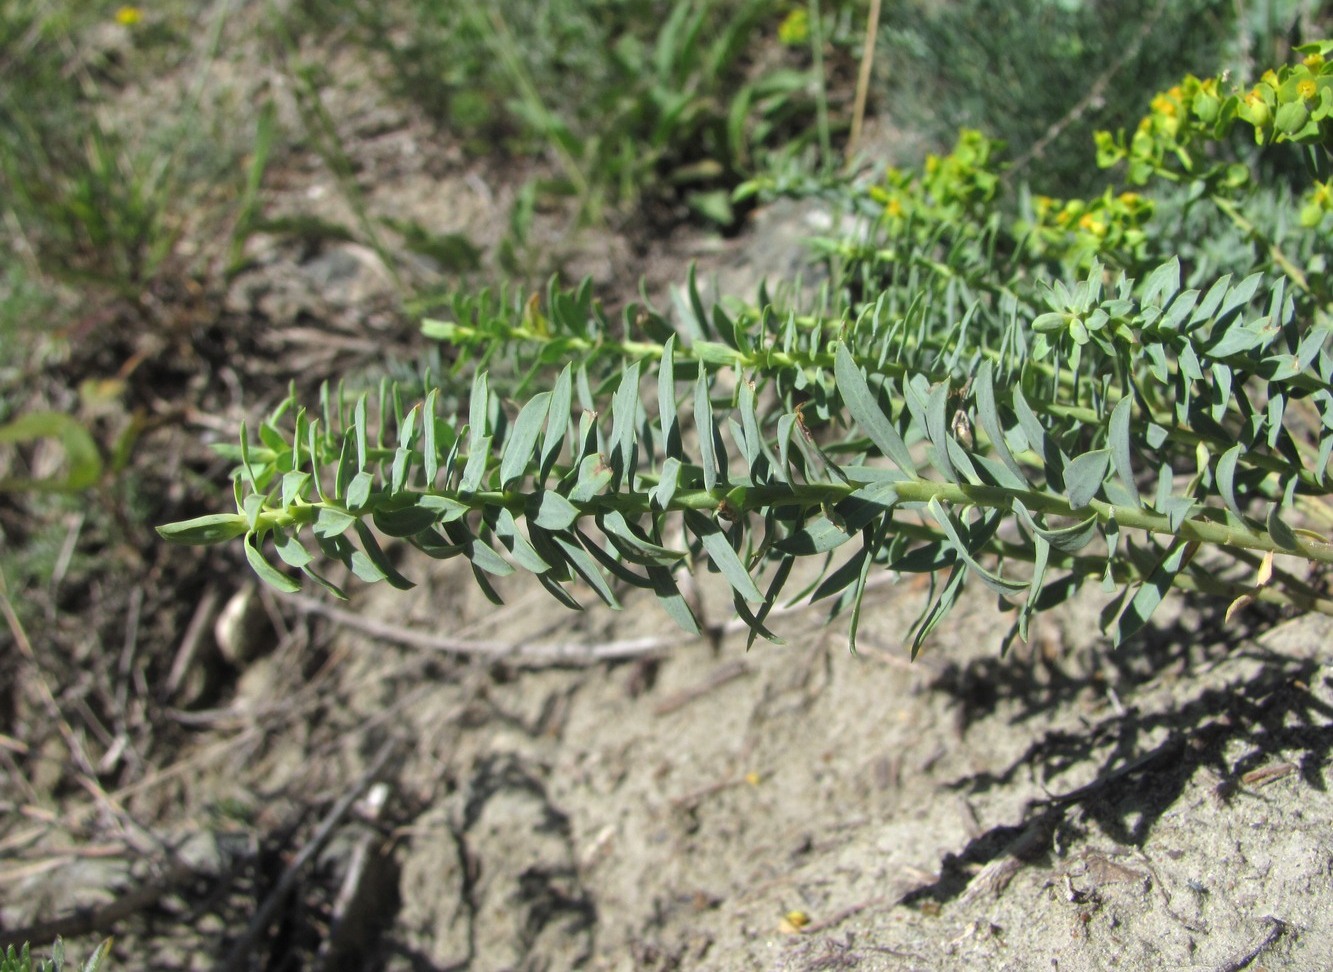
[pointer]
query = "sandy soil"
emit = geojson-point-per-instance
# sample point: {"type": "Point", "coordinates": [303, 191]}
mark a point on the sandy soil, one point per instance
{"type": "Point", "coordinates": [422, 781]}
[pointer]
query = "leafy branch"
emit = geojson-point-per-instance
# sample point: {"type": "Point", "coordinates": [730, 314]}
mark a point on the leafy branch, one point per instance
{"type": "Point", "coordinates": [906, 466]}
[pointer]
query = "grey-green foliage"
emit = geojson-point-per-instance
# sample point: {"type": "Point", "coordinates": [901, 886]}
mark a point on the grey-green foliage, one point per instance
{"type": "Point", "coordinates": [1026, 437]}
{"type": "Point", "coordinates": [21, 960]}
{"type": "Point", "coordinates": [1015, 67]}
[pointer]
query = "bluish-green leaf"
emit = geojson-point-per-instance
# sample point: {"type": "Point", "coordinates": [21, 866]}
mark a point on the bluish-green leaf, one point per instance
{"type": "Point", "coordinates": [430, 458]}
{"type": "Point", "coordinates": [404, 521]}
{"type": "Point", "coordinates": [475, 469]}
{"type": "Point", "coordinates": [1226, 478]}
{"type": "Point", "coordinates": [506, 529]}
{"type": "Point", "coordinates": [521, 444]}
{"type": "Point", "coordinates": [865, 410]}
{"type": "Point", "coordinates": [703, 423]}
{"type": "Point", "coordinates": [551, 511]}
{"type": "Point", "coordinates": [624, 422]}
{"type": "Point", "coordinates": [264, 570]}
{"type": "Point", "coordinates": [558, 420]}
{"type": "Point", "coordinates": [375, 554]}
{"type": "Point", "coordinates": [587, 568]}
{"type": "Point", "coordinates": [666, 400]}
{"type": "Point", "coordinates": [1162, 284]}
{"type": "Point", "coordinates": [290, 549]}
{"type": "Point", "coordinates": [331, 522]}
{"type": "Point", "coordinates": [672, 601]}
{"type": "Point", "coordinates": [989, 414]}
{"type": "Point", "coordinates": [724, 558]}
{"type": "Point", "coordinates": [1281, 533]}
{"type": "Point", "coordinates": [214, 528]}
{"type": "Point", "coordinates": [995, 582]}
{"type": "Point", "coordinates": [1118, 441]}
{"type": "Point", "coordinates": [1153, 590]}
{"type": "Point", "coordinates": [358, 490]}
{"type": "Point", "coordinates": [666, 483]}
{"type": "Point", "coordinates": [1084, 475]}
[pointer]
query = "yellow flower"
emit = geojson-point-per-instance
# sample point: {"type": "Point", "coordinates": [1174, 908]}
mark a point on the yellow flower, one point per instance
{"type": "Point", "coordinates": [1314, 61]}
{"type": "Point", "coordinates": [1162, 105]}
{"type": "Point", "coordinates": [129, 16]}
{"type": "Point", "coordinates": [795, 27]}
{"type": "Point", "coordinates": [1090, 224]}
{"type": "Point", "coordinates": [1306, 88]}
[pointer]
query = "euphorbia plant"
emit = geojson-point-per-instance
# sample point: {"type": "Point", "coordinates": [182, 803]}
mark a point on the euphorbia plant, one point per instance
{"type": "Point", "coordinates": [956, 412]}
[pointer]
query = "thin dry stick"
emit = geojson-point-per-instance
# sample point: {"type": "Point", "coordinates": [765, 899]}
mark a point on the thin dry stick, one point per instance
{"type": "Point", "coordinates": [238, 957]}
{"type": "Point", "coordinates": [561, 653]}
{"type": "Point", "coordinates": [1095, 92]}
{"type": "Point", "coordinates": [863, 79]}
{"type": "Point", "coordinates": [724, 673]}
{"type": "Point", "coordinates": [86, 921]}
{"type": "Point", "coordinates": [1276, 929]}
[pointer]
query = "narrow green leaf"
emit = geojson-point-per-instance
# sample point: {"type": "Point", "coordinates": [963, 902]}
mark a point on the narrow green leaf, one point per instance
{"type": "Point", "coordinates": [952, 530]}
{"type": "Point", "coordinates": [214, 528]}
{"type": "Point", "coordinates": [1070, 539]}
{"type": "Point", "coordinates": [331, 522]}
{"type": "Point", "coordinates": [1084, 475]}
{"type": "Point", "coordinates": [291, 551]}
{"type": "Point", "coordinates": [938, 608]}
{"type": "Point", "coordinates": [666, 401]}
{"type": "Point", "coordinates": [843, 577]}
{"type": "Point", "coordinates": [1281, 533]}
{"type": "Point", "coordinates": [404, 521]}
{"type": "Point", "coordinates": [1162, 284]}
{"type": "Point", "coordinates": [707, 433]}
{"type": "Point", "coordinates": [358, 490]}
{"type": "Point", "coordinates": [937, 428]}
{"type": "Point", "coordinates": [593, 477]}
{"type": "Point", "coordinates": [856, 395]}
{"type": "Point", "coordinates": [506, 529]}
{"type": "Point", "coordinates": [666, 483]}
{"type": "Point", "coordinates": [718, 547]}
{"type": "Point", "coordinates": [1153, 590]}
{"type": "Point", "coordinates": [989, 415]}
{"type": "Point", "coordinates": [474, 471]}
{"type": "Point", "coordinates": [1226, 478]}
{"type": "Point", "coordinates": [430, 455]}
{"type": "Point", "coordinates": [558, 420]}
{"type": "Point", "coordinates": [753, 442]}
{"type": "Point", "coordinates": [477, 550]}
{"type": "Point", "coordinates": [1118, 441]}
{"type": "Point", "coordinates": [478, 410]}
{"type": "Point", "coordinates": [634, 545]}
{"type": "Point", "coordinates": [359, 432]}
{"type": "Point", "coordinates": [521, 443]}
{"type": "Point", "coordinates": [373, 553]}
{"type": "Point", "coordinates": [624, 438]}
{"type": "Point", "coordinates": [1040, 559]}
{"type": "Point", "coordinates": [266, 572]}
{"type": "Point", "coordinates": [587, 568]}
{"type": "Point", "coordinates": [551, 511]}
{"type": "Point", "coordinates": [672, 601]}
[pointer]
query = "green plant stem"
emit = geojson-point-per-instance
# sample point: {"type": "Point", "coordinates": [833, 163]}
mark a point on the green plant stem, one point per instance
{"type": "Point", "coordinates": [821, 91]}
